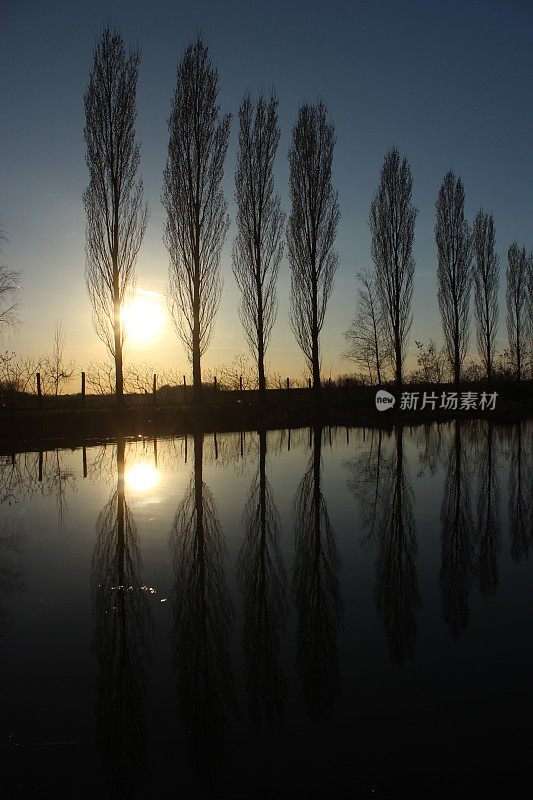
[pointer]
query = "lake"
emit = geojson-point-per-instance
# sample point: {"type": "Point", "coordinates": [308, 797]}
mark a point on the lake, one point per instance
{"type": "Point", "coordinates": [265, 614]}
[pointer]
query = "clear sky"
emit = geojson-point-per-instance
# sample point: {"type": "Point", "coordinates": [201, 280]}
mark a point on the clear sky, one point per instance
{"type": "Point", "coordinates": [449, 83]}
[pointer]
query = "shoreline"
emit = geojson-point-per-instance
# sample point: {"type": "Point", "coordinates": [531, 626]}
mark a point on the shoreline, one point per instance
{"type": "Point", "coordinates": [21, 429]}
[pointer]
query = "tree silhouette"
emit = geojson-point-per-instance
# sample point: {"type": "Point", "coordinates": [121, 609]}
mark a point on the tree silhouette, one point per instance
{"type": "Point", "coordinates": [518, 283]}
{"type": "Point", "coordinates": [367, 335]}
{"type": "Point", "coordinates": [486, 282]}
{"type": "Point", "coordinates": [311, 229]}
{"type": "Point", "coordinates": [123, 627]}
{"type": "Point", "coordinates": [258, 247]}
{"type": "Point", "coordinates": [392, 226]}
{"type": "Point", "coordinates": [263, 583]}
{"type": "Point", "coordinates": [457, 536]}
{"type": "Point", "coordinates": [202, 622]}
{"type": "Point", "coordinates": [116, 214]}
{"type": "Point", "coordinates": [56, 370]}
{"type": "Point", "coordinates": [316, 592]}
{"type": "Point", "coordinates": [454, 273]}
{"type": "Point", "coordinates": [9, 286]}
{"type": "Point", "coordinates": [193, 199]}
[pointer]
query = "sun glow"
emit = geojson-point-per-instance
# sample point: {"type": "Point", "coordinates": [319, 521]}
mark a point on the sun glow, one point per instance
{"type": "Point", "coordinates": [141, 477]}
{"type": "Point", "coordinates": [143, 317]}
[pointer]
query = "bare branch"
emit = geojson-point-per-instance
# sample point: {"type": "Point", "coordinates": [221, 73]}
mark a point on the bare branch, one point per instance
{"type": "Point", "coordinates": [392, 225]}
{"type": "Point", "coordinates": [116, 214]}
{"type": "Point", "coordinates": [311, 229]}
{"type": "Point", "coordinates": [454, 274]}
{"type": "Point", "coordinates": [486, 282]}
{"type": "Point", "coordinates": [197, 221]}
{"type": "Point", "coordinates": [258, 247]}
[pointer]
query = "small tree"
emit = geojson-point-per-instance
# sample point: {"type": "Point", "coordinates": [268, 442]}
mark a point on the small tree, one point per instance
{"type": "Point", "coordinates": [366, 337]}
{"type": "Point", "coordinates": [193, 198]}
{"type": "Point", "coordinates": [431, 362]}
{"type": "Point", "coordinates": [518, 283]}
{"type": "Point", "coordinates": [258, 247]}
{"type": "Point", "coordinates": [56, 370]}
{"type": "Point", "coordinates": [311, 229]}
{"type": "Point", "coordinates": [392, 225]}
{"type": "Point", "coordinates": [454, 274]}
{"type": "Point", "coordinates": [486, 282]}
{"type": "Point", "coordinates": [116, 214]}
{"type": "Point", "coordinates": [9, 286]}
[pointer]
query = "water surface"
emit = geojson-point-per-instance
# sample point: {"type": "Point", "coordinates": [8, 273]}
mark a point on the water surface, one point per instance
{"type": "Point", "coordinates": [263, 614]}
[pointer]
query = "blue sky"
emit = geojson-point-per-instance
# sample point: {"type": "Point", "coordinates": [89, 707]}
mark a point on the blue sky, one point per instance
{"type": "Point", "coordinates": [449, 83]}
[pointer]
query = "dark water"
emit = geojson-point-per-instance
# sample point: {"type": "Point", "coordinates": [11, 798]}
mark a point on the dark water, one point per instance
{"type": "Point", "coordinates": [270, 614]}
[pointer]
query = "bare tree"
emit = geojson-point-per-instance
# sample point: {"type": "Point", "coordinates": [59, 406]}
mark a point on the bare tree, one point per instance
{"type": "Point", "coordinates": [116, 214]}
{"type": "Point", "coordinates": [366, 337]}
{"type": "Point", "coordinates": [56, 370]}
{"type": "Point", "coordinates": [258, 247]}
{"type": "Point", "coordinates": [486, 282]}
{"type": "Point", "coordinates": [517, 300]}
{"type": "Point", "coordinates": [454, 273]}
{"type": "Point", "coordinates": [530, 314]}
{"type": "Point", "coordinates": [392, 225]}
{"type": "Point", "coordinates": [9, 286]}
{"type": "Point", "coordinates": [197, 221]}
{"type": "Point", "coordinates": [311, 229]}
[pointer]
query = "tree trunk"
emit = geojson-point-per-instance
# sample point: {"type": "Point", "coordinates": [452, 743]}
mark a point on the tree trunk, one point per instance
{"type": "Point", "coordinates": [117, 326]}
{"type": "Point", "coordinates": [260, 340]}
{"type": "Point", "coordinates": [315, 356]}
{"type": "Point", "coordinates": [196, 366]}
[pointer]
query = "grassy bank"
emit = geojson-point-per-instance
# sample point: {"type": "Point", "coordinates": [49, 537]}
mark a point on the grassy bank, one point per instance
{"type": "Point", "coordinates": [23, 424]}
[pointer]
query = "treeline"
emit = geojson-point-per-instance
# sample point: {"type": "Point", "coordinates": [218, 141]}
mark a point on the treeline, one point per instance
{"type": "Point", "coordinates": [197, 224]}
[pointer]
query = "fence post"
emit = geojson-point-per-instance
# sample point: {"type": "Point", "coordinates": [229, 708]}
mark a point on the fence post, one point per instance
{"type": "Point", "coordinates": [240, 387]}
{"type": "Point", "coordinates": [214, 387]}
{"type": "Point", "coordinates": [309, 384]}
{"type": "Point", "coordinates": [154, 390]}
{"type": "Point", "coordinates": [184, 390]}
{"type": "Point", "coordinates": [288, 387]}
{"type": "Point", "coordinates": [83, 389]}
{"type": "Point", "coordinates": [39, 392]}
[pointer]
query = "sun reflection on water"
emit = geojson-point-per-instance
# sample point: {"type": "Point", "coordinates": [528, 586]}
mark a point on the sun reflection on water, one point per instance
{"type": "Point", "coordinates": [141, 477]}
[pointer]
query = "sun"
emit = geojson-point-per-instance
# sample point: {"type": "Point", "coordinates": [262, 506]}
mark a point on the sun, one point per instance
{"type": "Point", "coordinates": [142, 317]}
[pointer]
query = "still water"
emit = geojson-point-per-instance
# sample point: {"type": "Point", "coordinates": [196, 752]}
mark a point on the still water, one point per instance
{"type": "Point", "coordinates": [340, 611]}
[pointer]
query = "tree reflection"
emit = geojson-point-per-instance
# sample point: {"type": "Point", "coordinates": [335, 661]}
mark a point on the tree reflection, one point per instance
{"type": "Point", "coordinates": [123, 624]}
{"type": "Point", "coordinates": [457, 544]}
{"type": "Point", "coordinates": [487, 513]}
{"type": "Point", "coordinates": [316, 590]}
{"type": "Point", "coordinates": [33, 474]}
{"type": "Point", "coordinates": [202, 622]}
{"type": "Point", "coordinates": [520, 492]}
{"type": "Point", "coordinates": [11, 580]}
{"type": "Point", "coordinates": [366, 483]}
{"type": "Point", "coordinates": [263, 582]}
{"type": "Point", "coordinates": [397, 595]}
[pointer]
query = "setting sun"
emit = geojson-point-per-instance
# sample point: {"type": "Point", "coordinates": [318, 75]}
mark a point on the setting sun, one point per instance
{"type": "Point", "coordinates": [143, 317]}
